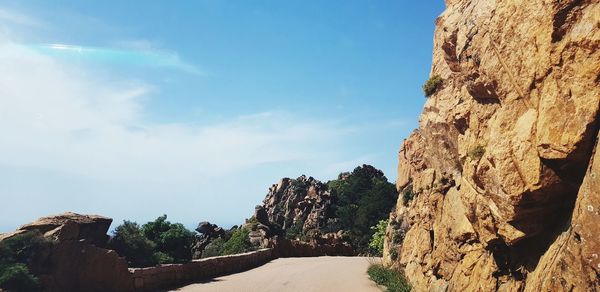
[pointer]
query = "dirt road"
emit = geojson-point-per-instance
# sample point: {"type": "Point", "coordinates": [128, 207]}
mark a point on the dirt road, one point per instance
{"type": "Point", "coordinates": [297, 274]}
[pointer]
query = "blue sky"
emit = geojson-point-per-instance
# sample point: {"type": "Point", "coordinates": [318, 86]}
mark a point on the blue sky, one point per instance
{"type": "Point", "coordinates": [132, 109]}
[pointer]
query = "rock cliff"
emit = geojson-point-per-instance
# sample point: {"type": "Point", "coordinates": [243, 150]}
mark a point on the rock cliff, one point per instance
{"type": "Point", "coordinates": [499, 185]}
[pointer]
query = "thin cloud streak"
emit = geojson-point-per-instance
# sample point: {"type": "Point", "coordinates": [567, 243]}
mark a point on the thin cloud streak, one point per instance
{"type": "Point", "coordinates": [137, 57]}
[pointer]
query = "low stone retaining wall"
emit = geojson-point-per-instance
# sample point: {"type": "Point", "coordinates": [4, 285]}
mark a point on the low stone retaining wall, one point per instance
{"type": "Point", "coordinates": [168, 276]}
{"type": "Point", "coordinates": [292, 248]}
{"type": "Point", "coordinates": [176, 275]}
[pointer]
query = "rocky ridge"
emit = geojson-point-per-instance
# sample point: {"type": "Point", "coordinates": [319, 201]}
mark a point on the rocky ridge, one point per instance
{"type": "Point", "coordinates": [499, 185]}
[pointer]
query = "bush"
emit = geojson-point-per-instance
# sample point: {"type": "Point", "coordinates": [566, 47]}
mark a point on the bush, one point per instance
{"type": "Point", "coordinates": [156, 242]}
{"type": "Point", "coordinates": [392, 279]}
{"type": "Point", "coordinates": [162, 258]}
{"type": "Point", "coordinates": [16, 277]}
{"type": "Point", "coordinates": [173, 240]}
{"type": "Point", "coordinates": [432, 85]}
{"type": "Point", "coordinates": [295, 231]}
{"type": "Point", "coordinates": [15, 253]}
{"type": "Point", "coordinates": [129, 242]}
{"type": "Point", "coordinates": [214, 248]}
{"type": "Point", "coordinates": [376, 244]}
{"type": "Point", "coordinates": [238, 243]}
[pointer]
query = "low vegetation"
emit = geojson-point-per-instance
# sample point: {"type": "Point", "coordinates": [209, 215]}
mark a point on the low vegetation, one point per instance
{"type": "Point", "coordinates": [433, 84]}
{"type": "Point", "coordinates": [173, 241]}
{"type": "Point", "coordinates": [214, 248]}
{"type": "Point", "coordinates": [15, 254]}
{"type": "Point", "coordinates": [238, 243]}
{"type": "Point", "coordinates": [376, 244]}
{"type": "Point", "coordinates": [390, 278]}
{"type": "Point", "coordinates": [129, 242]}
{"type": "Point", "coordinates": [163, 242]}
{"type": "Point", "coordinates": [156, 242]}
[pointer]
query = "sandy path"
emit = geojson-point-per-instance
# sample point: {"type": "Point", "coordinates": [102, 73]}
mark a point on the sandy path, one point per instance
{"type": "Point", "coordinates": [297, 274]}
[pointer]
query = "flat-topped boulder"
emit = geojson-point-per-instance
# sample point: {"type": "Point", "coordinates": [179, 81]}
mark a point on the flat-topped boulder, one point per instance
{"type": "Point", "coordinates": [72, 226]}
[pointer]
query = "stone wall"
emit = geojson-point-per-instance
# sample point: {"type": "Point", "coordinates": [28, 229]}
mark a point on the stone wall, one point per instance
{"type": "Point", "coordinates": [167, 276]}
{"type": "Point", "coordinates": [293, 248]}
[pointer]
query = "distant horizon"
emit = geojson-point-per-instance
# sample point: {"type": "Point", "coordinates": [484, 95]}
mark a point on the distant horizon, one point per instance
{"type": "Point", "coordinates": [132, 110]}
{"type": "Point", "coordinates": [189, 225]}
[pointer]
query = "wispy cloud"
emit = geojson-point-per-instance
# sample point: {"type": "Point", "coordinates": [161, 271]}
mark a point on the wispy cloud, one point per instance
{"type": "Point", "coordinates": [136, 57]}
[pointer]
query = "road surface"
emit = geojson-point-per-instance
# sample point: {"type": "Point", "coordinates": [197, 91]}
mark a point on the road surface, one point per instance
{"type": "Point", "coordinates": [344, 274]}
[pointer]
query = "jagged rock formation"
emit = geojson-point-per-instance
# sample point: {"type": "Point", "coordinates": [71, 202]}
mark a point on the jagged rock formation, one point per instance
{"type": "Point", "coordinates": [304, 201]}
{"type": "Point", "coordinates": [499, 185]}
{"type": "Point", "coordinates": [342, 210]}
{"type": "Point", "coordinates": [298, 209]}
{"type": "Point", "coordinates": [74, 258]}
{"type": "Point", "coordinates": [207, 233]}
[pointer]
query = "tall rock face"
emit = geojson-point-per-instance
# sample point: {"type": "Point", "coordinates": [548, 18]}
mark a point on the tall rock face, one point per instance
{"type": "Point", "coordinates": [499, 185]}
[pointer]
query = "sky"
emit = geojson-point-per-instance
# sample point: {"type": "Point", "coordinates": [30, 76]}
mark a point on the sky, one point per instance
{"type": "Point", "coordinates": [134, 109]}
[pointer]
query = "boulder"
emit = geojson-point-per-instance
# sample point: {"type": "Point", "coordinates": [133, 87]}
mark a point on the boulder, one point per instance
{"type": "Point", "coordinates": [72, 226]}
{"type": "Point", "coordinates": [74, 259]}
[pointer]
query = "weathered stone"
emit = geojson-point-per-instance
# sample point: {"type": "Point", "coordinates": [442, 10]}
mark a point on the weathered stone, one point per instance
{"type": "Point", "coordinates": [498, 164]}
{"type": "Point", "coordinates": [75, 259]}
{"type": "Point", "coordinates": [71, 226]}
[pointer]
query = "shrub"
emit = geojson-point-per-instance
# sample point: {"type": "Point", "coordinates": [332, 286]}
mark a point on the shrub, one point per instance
{"type": "Point", "coordinates": [376, 244]}
{"type": "Point", "coordinates": [162, 258]}
{"type": "Point", "coordinates": [238, 243]}
{"type": "Point", "coordinates": [477, 153]}
{"type": "Point", "coordinates": [171, 239]}
{"type": "Point", "coordinates": [15, 253]}
{"type": "Point", "coordinates": [432, 85]}
{"type": "Point", "coordinates": [16, 277]}
{"type": "Point", "coordinates": [295, 231]}
{"type": "Point", "coordinates": [129, 242]}
{"type": "Point", "coordinates": [407, 195]}
{"type": "Point", "coordinates": [214, 248]}
{"type": "Point", "coordinates": [392, 279]}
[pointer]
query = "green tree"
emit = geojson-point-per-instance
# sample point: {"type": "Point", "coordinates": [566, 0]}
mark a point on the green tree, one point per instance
{"type": "Point", "coordinates": [171, 239]}
{"type": "Point", "coordinates": [361, 199]}
{"type": "Point", "coordinates": [129, 242]}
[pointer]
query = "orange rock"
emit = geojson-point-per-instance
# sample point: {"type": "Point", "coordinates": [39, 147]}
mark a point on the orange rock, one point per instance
{"type": "Point", "coordinates": [504, 199]}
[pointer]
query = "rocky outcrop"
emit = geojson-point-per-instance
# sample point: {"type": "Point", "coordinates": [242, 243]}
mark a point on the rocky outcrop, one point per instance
{"type": "Point", "coordinates": [74, 259]}
{"type": "Point", "coordinates": [207, 233]}
{"type": "Point", "coordinates": [499, 185]}
{"type": "Point", "coordinates": [295, 211]}
{"type": "Point", "coordinates": [304, 201]}
{"type": "Point", "coordinates": [71, 226]}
